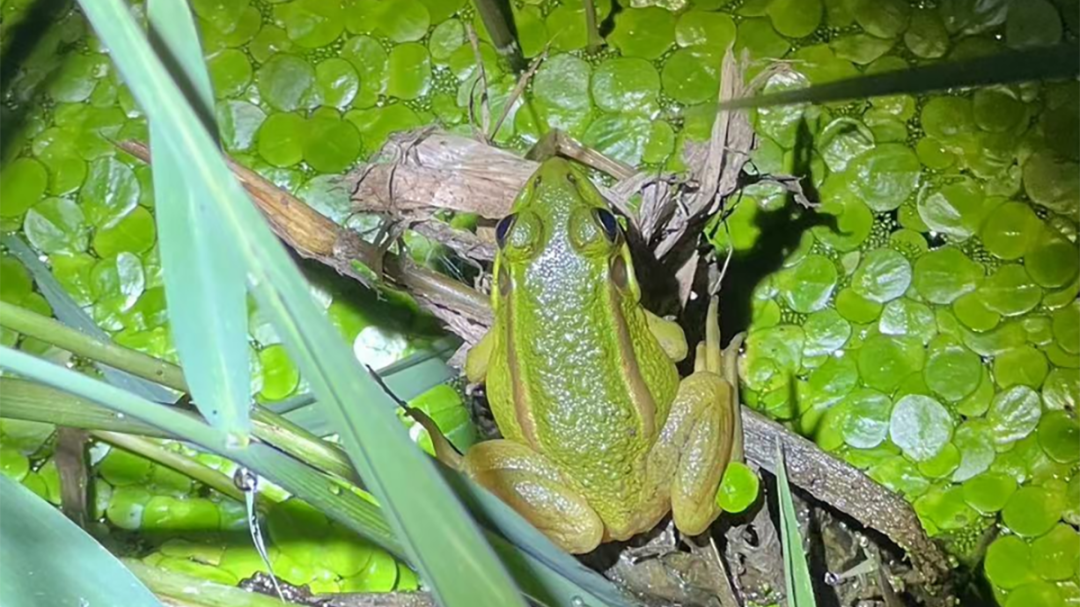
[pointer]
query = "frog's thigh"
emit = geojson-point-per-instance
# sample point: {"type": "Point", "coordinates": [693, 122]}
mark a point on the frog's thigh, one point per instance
{"type": "Point", "coordinates": [693, 449]}
{"type": "Point", "coordinates": [531, 484]}
{"type": "Point", "coordinates": [478, 357]}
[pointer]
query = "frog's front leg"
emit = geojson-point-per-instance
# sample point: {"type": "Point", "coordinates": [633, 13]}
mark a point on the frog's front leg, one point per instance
{"type": "Point", "coordinates": [695, 444]}
{"type": "Point", "coordinates": [533, 486]}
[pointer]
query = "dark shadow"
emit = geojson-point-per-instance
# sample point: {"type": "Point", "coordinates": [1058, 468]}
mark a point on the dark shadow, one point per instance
{"type": "Point", "coordinates": [803, 151]}
{"type": "Point", "coordinates": [781, 231]}
{"type": "Point", "coordinates": [22, 40]}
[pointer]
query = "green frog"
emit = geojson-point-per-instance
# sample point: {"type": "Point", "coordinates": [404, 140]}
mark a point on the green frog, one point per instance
{"type": "Point", "coordinates": [601, 437]}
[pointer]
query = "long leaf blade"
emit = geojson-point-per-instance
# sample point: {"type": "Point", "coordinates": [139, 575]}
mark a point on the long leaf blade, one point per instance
{"type": "Point", "coordinates": [204, 279]}
{"type": "Point", "coordinates": [438, 535]}
{"type": "Point", "coordinates": [296, 478]}
{"type": "Point", "coordinates": [1046, 63]}
{"type": "Point", "coordinates": [800, 589]}
{"type": "Point", "coordinates": [51, 561]}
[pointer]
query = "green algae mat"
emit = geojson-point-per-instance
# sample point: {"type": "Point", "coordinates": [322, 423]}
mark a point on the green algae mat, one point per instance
{"type": "Point", "coordinates": [929, 334]}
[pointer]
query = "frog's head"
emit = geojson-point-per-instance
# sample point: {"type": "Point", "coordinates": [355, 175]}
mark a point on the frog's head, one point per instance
{"type": "Point", "coordinates": [561, 227]}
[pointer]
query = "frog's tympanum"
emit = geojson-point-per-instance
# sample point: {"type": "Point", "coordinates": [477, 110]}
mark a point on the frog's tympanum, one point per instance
{"type": "Point", "coordinates": [601, 437]}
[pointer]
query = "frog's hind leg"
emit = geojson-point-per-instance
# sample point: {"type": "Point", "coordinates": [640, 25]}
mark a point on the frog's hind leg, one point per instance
{"type": "Point", "coordinates": [695, 444]}
{"type": "Point", "coordinates": [533, 486]}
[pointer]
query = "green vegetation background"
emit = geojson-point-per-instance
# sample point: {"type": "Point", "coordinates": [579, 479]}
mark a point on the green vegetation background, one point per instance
{"type": "Point", "coordinates": [932, 336]}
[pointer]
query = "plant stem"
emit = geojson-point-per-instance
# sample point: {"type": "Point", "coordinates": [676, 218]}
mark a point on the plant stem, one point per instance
{"type": "Point", "coordinates": [57, 334]}
{"type": "Point", "coordinates": [191, 590]}
{"type": "Point", "coordinates": [154, 451]}
{"type": "Point", "coordinates": [268, 426]}
{"type": "Point", "coordinates": [499, 23]}
{"type": "Point", "coordinates": [591, 26]}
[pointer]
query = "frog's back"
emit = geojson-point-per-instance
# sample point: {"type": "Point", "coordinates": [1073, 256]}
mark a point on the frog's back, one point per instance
{"type": "Point", "coordinates": [591, 386]}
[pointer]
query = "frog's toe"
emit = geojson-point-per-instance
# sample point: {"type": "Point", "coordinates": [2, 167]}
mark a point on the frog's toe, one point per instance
{"type": "Point", "coordinates": [530, 483]}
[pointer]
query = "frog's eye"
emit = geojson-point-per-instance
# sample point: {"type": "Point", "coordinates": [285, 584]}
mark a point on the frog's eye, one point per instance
{"type": "Point", "coordinates": [608, 222]}
{"type": "Point", "coordinates": [503, 228]}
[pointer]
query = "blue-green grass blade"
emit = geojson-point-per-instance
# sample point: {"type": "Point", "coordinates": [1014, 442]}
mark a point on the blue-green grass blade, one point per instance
{"type": "Point", "coordinates": [1044, 63]}
{"type": "Point", "coordinates": [51, 561]}
{"type": "Point", "coordinates": [800, 589]}
{"type": "Point", "coordinates": [437, 533]}
{"type": "Point", "coordinates": [205, 287]}
{"type": "Point", "coordinates": [69, 313]}
{"type": "Point", "coordinates": [406, 379]}
{"type": "Point", "coordinates": [296, 478]}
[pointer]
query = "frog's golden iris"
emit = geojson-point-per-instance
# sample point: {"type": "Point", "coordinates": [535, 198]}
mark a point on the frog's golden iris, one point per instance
{"type": "Point", "coordinates": [601, 437]}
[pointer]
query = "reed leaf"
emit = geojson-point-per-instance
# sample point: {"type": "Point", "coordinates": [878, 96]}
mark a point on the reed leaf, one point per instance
{"type": "Point", "coordinates": [437, 534]}
{"type": "Point", "coordinates": [51, 561]}
{"type": "Point", "coordinates": [1044, 63]}
{"type": "Point", "coordinates": [204, 278]}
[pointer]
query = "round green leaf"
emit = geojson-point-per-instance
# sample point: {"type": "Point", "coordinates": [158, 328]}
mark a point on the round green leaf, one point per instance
{"type": "Point", "coordinates": [561, 89]}
{"type": "Point", "coordinates": [1053, 182]}
{"type": "Point", "coordinates": [952, 371]}
{"type": "Point", "coordinates": [111, 191]}
{"type": "Point", "coordinates": [1013, 414]}
{"type": "Point", "coordinates": [230, 73]}
{"type": "Point", "coordinates": [738, 489]}
{"type": "Point", "coordinates": [970, 310]}
{"type": "Point", "coordinates": [943, 275]}
{"type": "Point", "coordinates": [885, 176]}
{"type": "Point", "coordinates": [867, 419]}
{"type": "Point", "coordinates": [337, 82]}
{"type": "Point", "coordinates": [1055, 554]}
{"type": "Point", "coordinates": [642, 32]}
{"type": "Point", "coordinates": [883, 276]}
{"type": "Point", "coordinates": [625, 85]}
{"type": "Point", "coordinates": [1010, 291]}
{"type": "Point", "coordinates": [56, 225]}
{"type": "Point", "coordinates": [826, 332]}
{"type": "Point", "coordinates": [956, 209]}
{"type": "Point", "coordinates": [855, 307]}
{"type": "Point", "coordinates": [906, 317]}
{"type": "Point", "coordinates": [692, 75]}
{"type": "Point", "coordinates": [1061, 390]}
{"type": "Point", "coordinates": [885, 361]}
{"type": "Point", "coordinates": [989, 492]}
{"type": "Point", "coordinates": [1052, 261]}
{"type": "Point", "coordinates": [808, 286]}
{"type": "Point", "coordinates": [1008, 562]}
{"type": "Point", "coordinates": [281, 139]}
{"type": "Point", "coordinates": [920, 426]}
{"type": "Point", "coordinates": [884, 19]}
{"type": "Point", "coordinates": [795, 18]}
{"type": "Point", "coordinates": [22, 184]}
{"type": "Point", "coordinates": [287, 83]}
{"type": "Point", "coordinates": [695, 27]}
{"type": "Point", "coordinates": [331, 145]}
{"type": "Point", "coordinates": [1066, 325]}
{"type": "Point", "coordinates": [135, 233]}
{"type": "Point", "coordinates": [1059, 436]}
{"type": "Point", "coordinates": [1032, 511]}
{"type": "Point", "coordinates": [409, 71]}
{"type": "Point", "coordinates": [1023, 366]}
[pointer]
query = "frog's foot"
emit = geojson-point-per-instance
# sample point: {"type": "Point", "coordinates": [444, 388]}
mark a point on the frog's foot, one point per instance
{"type": "Point", "coordinates": [530, 483]}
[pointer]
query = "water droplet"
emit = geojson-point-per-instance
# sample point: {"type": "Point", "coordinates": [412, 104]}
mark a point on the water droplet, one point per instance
{"type": "Point", "coordinates": [577, 601]}
{"type": "Point", "coordinates": [335, 489]}
{"type": "Point", "coordinates": [120, 416]}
